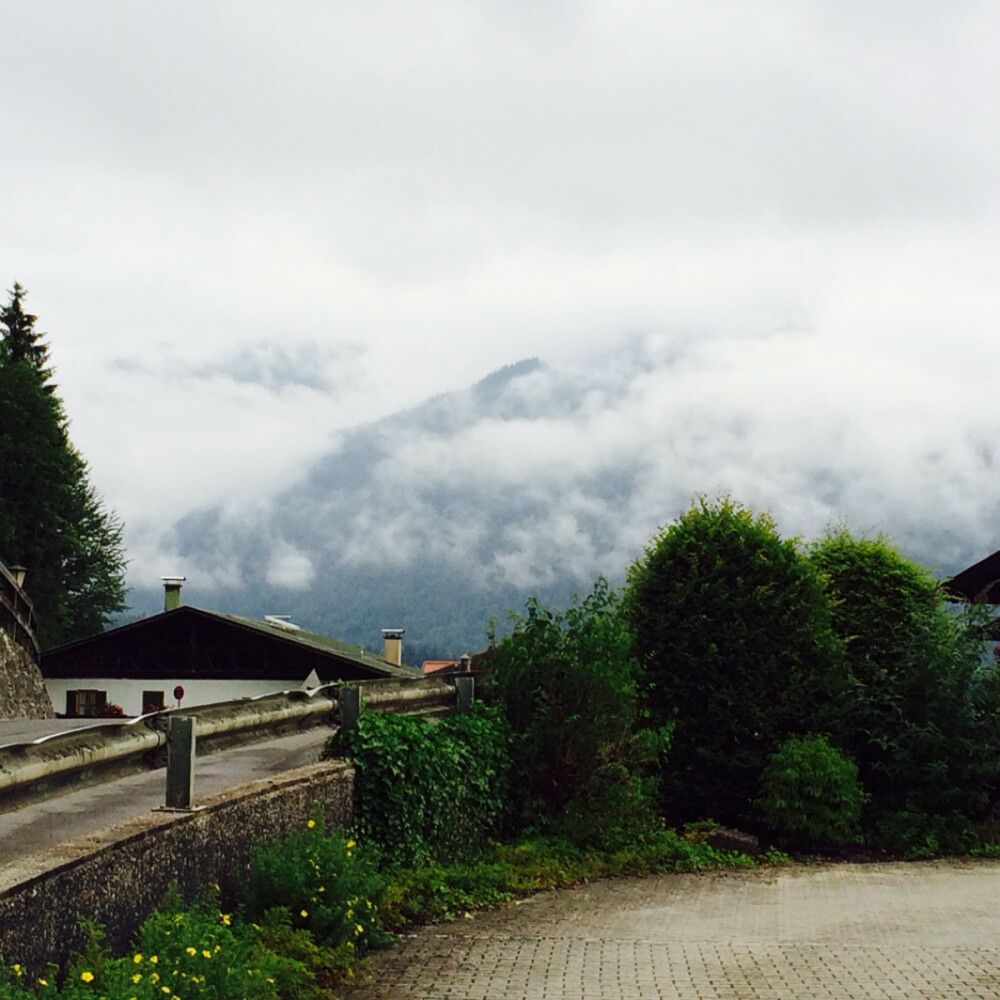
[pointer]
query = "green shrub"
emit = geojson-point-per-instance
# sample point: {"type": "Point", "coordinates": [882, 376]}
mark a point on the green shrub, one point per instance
{"type": "Point", "coordinates": [917, 834]}
{"type": "Point", "coordinates": [810, 792]}
{"type": "Point", "coordinates": [427, 788]}
{"type": "Point", "coordinates": [324, 883]}
{"type": "Point", "coordinates": [195, 952]}
{"type": "Point", "coordinates": [584, 757]}
{"type": "Point", "coordinates": [734, 631]}
{"type": "Point", "coordinates": [920, 717]}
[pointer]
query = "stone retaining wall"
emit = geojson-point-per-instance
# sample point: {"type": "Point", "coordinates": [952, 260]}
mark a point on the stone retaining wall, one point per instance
{"type": "Point", "coordinates": [118, 877]}
{"type": "Point", "coordinates": [22, 690]}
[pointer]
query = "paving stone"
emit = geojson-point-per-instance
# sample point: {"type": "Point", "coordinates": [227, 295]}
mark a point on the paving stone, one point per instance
{"type": "Point", "coordinates": [827, 932]}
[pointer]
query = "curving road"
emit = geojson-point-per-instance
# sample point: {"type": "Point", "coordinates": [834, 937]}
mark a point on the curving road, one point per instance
{"type": "Point", "coordinates": [40, 826]}
{"type": "Point", "coordinates": [928, 930]}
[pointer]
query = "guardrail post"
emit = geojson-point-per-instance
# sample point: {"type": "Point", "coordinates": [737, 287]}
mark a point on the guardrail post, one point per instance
{"type": "Point", "coordinates": [349, 699]}
{"type": "Point", "coordinates": [180, 762]}
{"type": "Point", "coordinates": [465, 690]}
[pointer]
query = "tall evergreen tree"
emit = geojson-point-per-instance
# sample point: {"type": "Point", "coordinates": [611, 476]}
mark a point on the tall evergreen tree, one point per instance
{"type": "Point", "coordinates": [21, 342]}
{"type": "Point", "coordinates": [52, 521]}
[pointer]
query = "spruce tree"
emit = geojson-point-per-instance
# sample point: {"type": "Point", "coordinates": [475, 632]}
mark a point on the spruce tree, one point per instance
{"type": "Point", "coordinates": [52, 520]}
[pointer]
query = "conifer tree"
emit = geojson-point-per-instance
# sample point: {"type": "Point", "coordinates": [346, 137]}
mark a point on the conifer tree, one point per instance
{"type": "Point", "coordinates": [52, 520]}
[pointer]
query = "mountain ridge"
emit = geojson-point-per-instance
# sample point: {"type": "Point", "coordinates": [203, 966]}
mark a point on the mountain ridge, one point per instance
{"type": "Point", "coordinates": [536, 480]}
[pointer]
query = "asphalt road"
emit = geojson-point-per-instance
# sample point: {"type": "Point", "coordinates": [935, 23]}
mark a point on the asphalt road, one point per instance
{"type": "Point", "coordinates": [26, 730]}
{"type": "Point", "coordinates": [43, 825]}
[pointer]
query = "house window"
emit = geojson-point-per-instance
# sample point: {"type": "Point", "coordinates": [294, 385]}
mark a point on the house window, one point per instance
{"type": "Point", "coordinates": [85, 701]}
{"type": "Point", "coordinates": [152, 701]}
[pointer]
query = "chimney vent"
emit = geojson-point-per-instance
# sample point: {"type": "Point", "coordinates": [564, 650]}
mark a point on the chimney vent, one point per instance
{"type": "Point", "coordinates": [393, 645]}
{"type": "Point", "coordinates": [172, 591]}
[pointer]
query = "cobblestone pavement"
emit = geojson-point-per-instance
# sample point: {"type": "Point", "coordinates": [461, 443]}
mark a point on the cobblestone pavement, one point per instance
{"type": "Point", "coordinates": [924, 930]}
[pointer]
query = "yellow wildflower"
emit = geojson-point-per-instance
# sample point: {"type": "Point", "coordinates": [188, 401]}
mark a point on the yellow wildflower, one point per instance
{"type": "Point", "coordinates": [137, 977]}
{"type": "Point", "coordinates": [190, 950]}
{"type": "Point", "coordinates": [304, 913]}
{"type": "Point", "coordinates": [137, 958]}
{"type": "Point", "coordinates": [154, 959]}
{"type": "Point", "coordinates": [42, 982]}
{"type": "Point", "coordinates": [359, 928]}
{"type": "Point", "coordinates": [87, 977]}
{"type": "Point", "coordinates": [206, 953]}
{"type": "Point", "coordinates": [225, 918]}
{"type": "Point", "coordinates": [311, 823]}
{"type": "Point", "coordinates": [351, 844]}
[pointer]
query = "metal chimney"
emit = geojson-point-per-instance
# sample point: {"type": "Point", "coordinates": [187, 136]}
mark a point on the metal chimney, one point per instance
{"type": "Point", "coordinates": [172, 591]}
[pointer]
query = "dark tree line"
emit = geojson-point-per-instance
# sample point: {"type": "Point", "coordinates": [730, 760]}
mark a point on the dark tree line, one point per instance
{"type": "Point", "coordinates": [52, 520]}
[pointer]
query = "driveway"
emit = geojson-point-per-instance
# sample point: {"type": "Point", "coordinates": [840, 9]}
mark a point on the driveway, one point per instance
{"type": "Point", "coordinates": [928, 930]}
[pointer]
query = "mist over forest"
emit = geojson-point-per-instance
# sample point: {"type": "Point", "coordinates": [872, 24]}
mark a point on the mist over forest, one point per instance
{"type": "Point", "coordinates": [538, 479]}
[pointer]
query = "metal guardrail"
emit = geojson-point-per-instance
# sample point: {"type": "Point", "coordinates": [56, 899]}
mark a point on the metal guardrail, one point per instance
{"type": "Point", "coordinates": [17, 613]}
{"type": "Point", "coordinates": [142, 741]}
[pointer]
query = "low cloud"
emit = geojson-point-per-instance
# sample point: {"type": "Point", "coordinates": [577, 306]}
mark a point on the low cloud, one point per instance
{"type": "Point", "coordinates": [565, 473]}
{"type": "Point", "coordinates": [290, 568]}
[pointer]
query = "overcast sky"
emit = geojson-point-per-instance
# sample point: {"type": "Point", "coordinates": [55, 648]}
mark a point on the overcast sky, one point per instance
{"type": "Point", "coordinates": [247, 226]}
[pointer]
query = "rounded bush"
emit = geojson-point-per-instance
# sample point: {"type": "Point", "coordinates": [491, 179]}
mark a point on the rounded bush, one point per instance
{"type": "Point", "coordinates": [811, 793]}
{"type": "Point", "coordinates": [733, 630]}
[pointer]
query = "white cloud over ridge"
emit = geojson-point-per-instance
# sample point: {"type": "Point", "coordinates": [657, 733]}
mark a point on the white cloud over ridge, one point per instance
{"type": "Point", "coordinates": [754, 244]}
{"type": "Point", "coordinates": [562, 474]}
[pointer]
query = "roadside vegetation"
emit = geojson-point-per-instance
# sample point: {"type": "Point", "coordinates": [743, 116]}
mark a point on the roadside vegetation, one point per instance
{"type": "Point", "coordinates": [823, 698]}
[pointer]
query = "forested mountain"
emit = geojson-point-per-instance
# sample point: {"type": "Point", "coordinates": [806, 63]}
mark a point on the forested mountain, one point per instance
{"type": "Point", "coordinates": [538, 479]}
{"type": "Point", "coordinates": [412, 521]}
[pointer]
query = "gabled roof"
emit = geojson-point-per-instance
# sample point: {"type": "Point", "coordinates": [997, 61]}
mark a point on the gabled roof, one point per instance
{"type": "Point", "coordinates": [980, 583]}
{"type": "Point", "coordinates": [318, 641]}
{"type": "Point", "coordinates": [192, 642]}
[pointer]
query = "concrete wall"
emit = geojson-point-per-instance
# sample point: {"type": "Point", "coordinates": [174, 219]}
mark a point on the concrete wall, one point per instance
{"type": "Point", "coordinates": [117, 878]}
{"type": "Point", "coordinates": [22, 691]}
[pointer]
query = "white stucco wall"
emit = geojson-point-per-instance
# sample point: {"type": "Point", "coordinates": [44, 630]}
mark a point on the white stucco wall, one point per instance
{"type": "Point", "coordinates": [128, 692]}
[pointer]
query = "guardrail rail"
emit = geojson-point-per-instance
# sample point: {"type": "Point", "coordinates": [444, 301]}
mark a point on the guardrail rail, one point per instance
{"type": "Point", "coordinates": [81, 754]}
